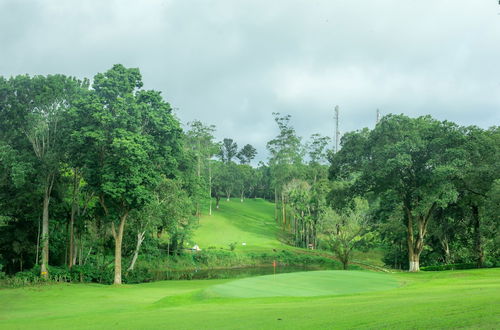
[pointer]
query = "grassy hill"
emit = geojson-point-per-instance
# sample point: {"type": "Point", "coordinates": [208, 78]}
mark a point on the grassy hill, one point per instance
{"type": "Point", "coordinates": [249, 222]}
{"type": "Point", "coordinates": [252, 222]}
{"type": "Point", "coordinates": [451, 299]}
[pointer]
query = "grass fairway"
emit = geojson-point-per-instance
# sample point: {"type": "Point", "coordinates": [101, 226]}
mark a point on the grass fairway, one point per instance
{"type": "Point", "coordinates": [303, 284]}
{"type": "Point", "coordinates": [452, 299]}
{"type": "Point", "coordinates": [250, 222]}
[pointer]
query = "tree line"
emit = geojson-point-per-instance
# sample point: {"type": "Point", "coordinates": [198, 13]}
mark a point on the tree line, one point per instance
{"type": "Point", "coordinates": [421, 189]}
{"type": "Point", "coordinates": [93, 173]}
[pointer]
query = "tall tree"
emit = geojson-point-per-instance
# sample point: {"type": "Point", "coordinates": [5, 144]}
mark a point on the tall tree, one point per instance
{"type": "Point", "coordinates": [409, 162]}
{"type": "Point", "coordinates": [36, 106]}
{"type": "Point", "coordinates": [481, 169]}
{"type": "Point", "coordinates": [317, 152]}
{"type": "Point", "coordinates": [200, 140]}
{"type": "Point", "coordinates": [128, 138]}
{"type": "Point", "coordinates": [246, 154]}
{"type": "Point", "coordinates": [347, 230]}
{"type": "Point", "coordinates": [285, 161]}
{"type": "Point", "coordinates": [228, 150]}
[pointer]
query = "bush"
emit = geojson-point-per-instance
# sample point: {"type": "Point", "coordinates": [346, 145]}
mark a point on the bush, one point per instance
{"type": "Point", "coordinates": [232, 246]}
{"type": "Point", "coordinates": [449, 267]}
{"type": "Point", "coordinates": [138, 275]}
{"type": "Point", "coordinates": [91, 273]}
{"type": "Point", "coordinates": [2, 274]}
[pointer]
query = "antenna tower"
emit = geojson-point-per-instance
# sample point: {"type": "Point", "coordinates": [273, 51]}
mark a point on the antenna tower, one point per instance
{"type": "Point", "coordinates": [337, 133]}
{"type": "Point", "coordinates": [378, 116]}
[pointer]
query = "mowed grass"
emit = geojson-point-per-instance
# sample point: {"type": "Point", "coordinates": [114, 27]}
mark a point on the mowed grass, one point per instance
{"type": "Point", "coordinates": [304, 284]}
{"type": "Point", "coordinates": [452, 299]}
{"type": "Point", "coordinates": [249, 222]}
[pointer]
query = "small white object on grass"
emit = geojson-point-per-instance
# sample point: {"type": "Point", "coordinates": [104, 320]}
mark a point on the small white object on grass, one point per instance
{"type": "Point", "coordinates": [243, 243]}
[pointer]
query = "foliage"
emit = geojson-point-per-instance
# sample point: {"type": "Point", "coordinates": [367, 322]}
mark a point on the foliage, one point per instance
{"type": "Point", "coordinates": [228, 150]}
{"type": "Point", "coordinates": [347, 230]}
{"type": "Point", "coordinates": [408, 163]}
{"type": "Point", "coordinates": [246, 154]}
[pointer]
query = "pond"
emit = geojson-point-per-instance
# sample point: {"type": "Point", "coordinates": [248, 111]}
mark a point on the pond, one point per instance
{"type": "Point", "coordinates": [206, 274]}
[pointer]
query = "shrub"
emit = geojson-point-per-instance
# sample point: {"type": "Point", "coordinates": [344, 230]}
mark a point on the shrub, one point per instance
{"type": "Point", "coordinates": [449, 267]}
{"type": "Point", "coordinates": [232, 246]}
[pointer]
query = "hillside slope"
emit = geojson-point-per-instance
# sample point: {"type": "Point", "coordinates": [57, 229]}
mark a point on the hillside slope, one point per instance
{"type": "Point", "coordinates": [250, 222]}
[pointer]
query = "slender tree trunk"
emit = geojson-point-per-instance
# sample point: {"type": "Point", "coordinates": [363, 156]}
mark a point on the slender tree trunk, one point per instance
{"type": "Point", "coordinates": [66, 250]}
{"type": "Point", "coordinates": [118, 236]}
{"type": "Point", "coordinates": [217, 201]}
{"type": "Point", "coordinates": [140, 239]}
{"type": "Point", "coordinates": [478, 247]}
{"type": "Point", "coordinates": [72, 219]}
{"type": "Point", "coordinates": [44, 270]}
{"type": "Point", "coordinates": [275, 204]}
{"type": "Point", "coordinates": [210, 187]}
{"type": "Point", "coordinates": [75, 250]}
{"type": "Point", "coordinates": [38, 242]}
{"type": "Point", "coordinates": [345, 261]}
{"type": "Point", "coordinates": [283, 211]}
{"type": "Point", "coordinates": [198, 212]}
{"type": "Point", "coordinates": [446, 248]}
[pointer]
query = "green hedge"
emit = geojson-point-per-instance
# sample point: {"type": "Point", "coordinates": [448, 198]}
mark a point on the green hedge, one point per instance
{"type": "Point", "coordinates": [449, 267]}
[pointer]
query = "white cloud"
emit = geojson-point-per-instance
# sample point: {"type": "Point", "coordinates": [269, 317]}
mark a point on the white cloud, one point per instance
{"type": "Point", "coordinates": [232, 63]}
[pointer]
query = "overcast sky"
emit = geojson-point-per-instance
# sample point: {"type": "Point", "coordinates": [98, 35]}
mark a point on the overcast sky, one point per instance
{"type": "Point", "coordinates": [232, 63]}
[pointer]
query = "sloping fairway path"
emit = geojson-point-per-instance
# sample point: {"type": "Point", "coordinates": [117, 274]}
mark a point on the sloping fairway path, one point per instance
{"type": "Point", "coordinates": [452, 299]}
{"type": "Point", "coordinates": [250, 222]}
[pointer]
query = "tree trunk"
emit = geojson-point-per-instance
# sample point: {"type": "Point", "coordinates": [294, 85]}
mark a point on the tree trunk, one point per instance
{"type": "Point", "coordinates": [275, 204]}
{"type": "Point", "coordinates": [75, 250]}
{"type": "Point", "coordinates": [413, 256]}
{"type": "Point", "coordinates": [283, 211]}
{"type": "Point", "coordinates": [414, 261]}
{"type": "Point", "coordinates": [118, 236]}
{"type": "Point", "coordinates": [140, 239]}
{"type": "Point", "coordinates": [217, 201]}
{"type": "Point", "coordinates": [72, 219]}
{"type": "Point", "coordinates": [38, 242]}
{"type": "Point", "coordinates": [72, 236]}
{"type": "Point", "coordinates": [210, 187]}
{"type": "Point", "coordinates": [44, 270]}
{"type": "Point", "coordinates": [446, 248]}
{"type": "Point", "coordinates": [345, 263]}
{"type": "Point", "coordinates": [478, 247]}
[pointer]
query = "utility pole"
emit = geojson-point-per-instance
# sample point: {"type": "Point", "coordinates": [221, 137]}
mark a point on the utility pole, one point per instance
{"type": "Point", "coordinates": [337, 133]}
{"type": "Point", "coordinates": [378, 116]}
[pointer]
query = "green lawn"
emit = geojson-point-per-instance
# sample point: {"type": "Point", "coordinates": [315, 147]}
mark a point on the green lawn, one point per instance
{"type": "Point", "coordinates": [452, 299]}
{"type": "Point", "coordinates": [304, 284]}
{"type": "Point", "coordinates": [250, 222]}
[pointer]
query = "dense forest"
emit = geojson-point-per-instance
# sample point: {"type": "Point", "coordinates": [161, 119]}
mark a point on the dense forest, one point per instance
{"type": "Point", "coordinates": [95, 173]}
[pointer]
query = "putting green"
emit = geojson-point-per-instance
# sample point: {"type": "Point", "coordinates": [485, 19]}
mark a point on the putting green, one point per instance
{"type": "Point", "coordinates": [316, 283]}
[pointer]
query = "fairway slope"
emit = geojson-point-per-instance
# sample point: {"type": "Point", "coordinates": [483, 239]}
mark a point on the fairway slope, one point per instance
{"type": "Point", "coordinates": [250, 222]}
{"type": "Point", "coordinates": [315, 283]}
